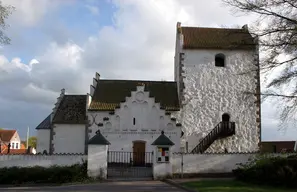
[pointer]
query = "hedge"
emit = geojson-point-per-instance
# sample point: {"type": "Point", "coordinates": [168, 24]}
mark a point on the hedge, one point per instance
{"type": "Point", "coordinates": [38, 174]}
{"type": "Point", "coordinates": [273, 171]}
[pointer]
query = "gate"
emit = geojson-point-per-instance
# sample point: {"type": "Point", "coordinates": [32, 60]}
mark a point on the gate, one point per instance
{"type": "Point", "coordinates": [129, 165]}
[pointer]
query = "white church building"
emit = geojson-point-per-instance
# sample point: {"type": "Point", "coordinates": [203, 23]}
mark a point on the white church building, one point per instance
{"type": "Point", "coordinates": [212, 106]}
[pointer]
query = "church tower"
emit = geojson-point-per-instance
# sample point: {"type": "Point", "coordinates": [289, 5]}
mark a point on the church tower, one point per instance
{"type": "Point", "coordinates": [217, 70]}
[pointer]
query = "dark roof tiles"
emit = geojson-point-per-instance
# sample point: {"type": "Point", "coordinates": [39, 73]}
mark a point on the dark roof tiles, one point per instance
{"type": "Point", "coordinates": [110, 93]}
{"type": "Point", "coordinates": [46, 123]}
{"type": "Point", "coordinates": [98, 139]}
{"type": "Point", "coordinates": [163, 140]}
{"type": "Point", "coordinates": [72, 110]}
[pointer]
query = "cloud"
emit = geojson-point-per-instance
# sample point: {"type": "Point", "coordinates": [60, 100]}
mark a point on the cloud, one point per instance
{"type": "Point", "coordinates": [30, 12]}
{"type": "Point", "coordinates": [93, 9]}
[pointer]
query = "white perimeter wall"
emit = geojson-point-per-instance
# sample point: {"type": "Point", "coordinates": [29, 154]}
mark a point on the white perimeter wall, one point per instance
{"type": "Point", "coordinates": [211, 163]}
{"type": "Point", "coordinates": [40, 160]}
{"type": "Point", "coordinates": [211, 91]}
{"type": "Point", "coordinates": [69, 138]}
{"type": "Point", "coordinates": [43, 140]}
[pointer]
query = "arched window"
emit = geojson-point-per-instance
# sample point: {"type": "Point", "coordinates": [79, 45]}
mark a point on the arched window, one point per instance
{"type": "Point", "coordinates": [225, 117]}
{"type": "Point", "coordinates": [220, 60]}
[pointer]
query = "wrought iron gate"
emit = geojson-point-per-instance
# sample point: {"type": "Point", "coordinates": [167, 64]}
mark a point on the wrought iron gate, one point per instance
{"type": "Point", "coordinates": [129, 165]}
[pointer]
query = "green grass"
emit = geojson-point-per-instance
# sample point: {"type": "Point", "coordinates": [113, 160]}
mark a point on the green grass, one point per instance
{"type": "Point", "coordinates": [229, 186]}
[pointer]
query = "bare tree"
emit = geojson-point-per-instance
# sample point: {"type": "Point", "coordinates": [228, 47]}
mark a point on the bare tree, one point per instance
{"type": "Point", "coordinates": [276, 28]}
{"type": "Point", "coordinates": [5, 11]}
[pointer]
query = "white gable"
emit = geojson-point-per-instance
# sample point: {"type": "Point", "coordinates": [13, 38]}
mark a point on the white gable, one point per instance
{"type": "Point", "coordinates": [138, 118]}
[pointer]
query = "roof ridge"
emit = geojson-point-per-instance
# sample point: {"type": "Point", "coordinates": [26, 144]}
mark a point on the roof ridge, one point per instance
{"type": "Point", "coordinates": [8, 130]}
{"type": "Point", "coordinates": [214, 28]}
{"type": "Point", "coordinates": [137, 80]}
{"type": "Point", "coordinates": [75, 95]}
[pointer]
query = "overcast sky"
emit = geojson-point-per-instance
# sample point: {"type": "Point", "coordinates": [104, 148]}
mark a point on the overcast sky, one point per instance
{"type": "Point", "coordinates": [62, 43]}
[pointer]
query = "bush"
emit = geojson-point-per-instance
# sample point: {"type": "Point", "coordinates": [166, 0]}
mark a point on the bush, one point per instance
{"type": "Point", "coordinates": [274, 171]}
{"type": "Point", "coordinates": [37, 174]}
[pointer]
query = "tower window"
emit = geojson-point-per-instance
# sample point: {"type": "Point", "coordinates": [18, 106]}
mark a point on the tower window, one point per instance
{"type": "Point", "coordinates": [220, 60]}
{"type": "Point", "coordinates": [133, 121]}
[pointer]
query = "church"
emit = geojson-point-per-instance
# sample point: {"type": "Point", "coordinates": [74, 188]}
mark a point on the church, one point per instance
{"type": "Point", "coordinates": [212, 106]}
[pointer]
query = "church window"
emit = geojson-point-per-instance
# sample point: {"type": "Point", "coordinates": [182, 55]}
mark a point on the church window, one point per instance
{"type": "Point", "coordinates": [220, 60]}
{"type": "Point", "coordinates": [134, 121]}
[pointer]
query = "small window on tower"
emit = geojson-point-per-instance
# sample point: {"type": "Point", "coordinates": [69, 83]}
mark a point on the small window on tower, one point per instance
{"type": "Point", "coordinates": [133, 121]}
{"type": "Point", "coordinates": [220, 60]}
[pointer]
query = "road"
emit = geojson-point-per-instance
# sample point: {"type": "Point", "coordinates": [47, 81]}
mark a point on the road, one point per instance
{"type": "Point", "coordinates": [125, 186]}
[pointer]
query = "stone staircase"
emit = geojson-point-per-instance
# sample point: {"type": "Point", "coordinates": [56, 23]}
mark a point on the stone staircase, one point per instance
{"type": "Point", "coordinates": [221, 130]}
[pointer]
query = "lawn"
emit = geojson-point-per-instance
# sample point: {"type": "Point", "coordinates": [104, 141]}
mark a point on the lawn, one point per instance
{"type": "Point", "coordinates": [229, 186]}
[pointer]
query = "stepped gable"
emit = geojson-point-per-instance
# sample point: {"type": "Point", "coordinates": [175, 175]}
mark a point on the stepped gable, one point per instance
{"type": "Point", "coordinates": [110, 93]}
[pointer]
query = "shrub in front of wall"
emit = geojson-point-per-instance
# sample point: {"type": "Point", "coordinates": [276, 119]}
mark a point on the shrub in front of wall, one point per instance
{"type": "Point", "coordinates": [274, 171]}
{"type": "Point", "coordinates": [37, 174]}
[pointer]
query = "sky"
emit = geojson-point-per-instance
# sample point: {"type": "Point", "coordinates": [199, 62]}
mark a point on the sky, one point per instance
{"type": "Point", "coordinates": [61, 44]}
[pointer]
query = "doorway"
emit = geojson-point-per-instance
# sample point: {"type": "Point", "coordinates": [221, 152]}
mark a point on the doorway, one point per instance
{"type": "Point", "coordinates": [139, 153]}
{"type": "Point", "coordinates": [225, 117]}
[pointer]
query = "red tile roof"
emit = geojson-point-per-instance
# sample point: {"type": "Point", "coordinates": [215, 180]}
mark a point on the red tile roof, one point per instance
{"type": "Point", "coordinates": [216, 38]}
{"type": "Point", "coordinates": [6, 135]}
{"type": "Point", "coordinates": [4, 149]}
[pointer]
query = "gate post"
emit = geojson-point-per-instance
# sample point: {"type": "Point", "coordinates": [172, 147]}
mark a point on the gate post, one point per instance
{"type": "Point", "coordinates": [97, 156]}
{"type": "Point", "coordinates": [162, 166]}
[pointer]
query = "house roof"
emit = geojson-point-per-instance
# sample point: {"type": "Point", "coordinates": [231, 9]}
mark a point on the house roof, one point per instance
{"type": "Point", "coordinates": [6, 135]}
{"type": "Point", "coordinates": [72, 110]}
{"type": "Point", "coordinates": [16, 151]}
{"type": "Point", "coordinates": [45, 124]}
{"type": "Point", "coordinates": [216, 38]}
{"type": "Point", "coordinates": [110, 93]}
{"type": "Point", "coordinates": [268, 146]}
{"type": "Point", "coordinates": [98, 139]}
{"type": "Point", "coordinates": [163, 140]}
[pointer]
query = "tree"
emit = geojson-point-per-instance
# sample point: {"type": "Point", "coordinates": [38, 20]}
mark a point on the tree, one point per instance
{"type": "Point", "coordinates": [5, 11]}
{"type": "Point", "coordinates": [276, 29]}
{"type": "Point", "coordinates": [32, 141]}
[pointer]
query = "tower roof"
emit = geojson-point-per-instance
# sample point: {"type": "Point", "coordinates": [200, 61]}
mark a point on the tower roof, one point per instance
{"type": "Point", "coordinates": [216, 38]}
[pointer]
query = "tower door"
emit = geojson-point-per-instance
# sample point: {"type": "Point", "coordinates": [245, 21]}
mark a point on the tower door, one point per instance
{"type": "Point", "coordinates": [225, 117]}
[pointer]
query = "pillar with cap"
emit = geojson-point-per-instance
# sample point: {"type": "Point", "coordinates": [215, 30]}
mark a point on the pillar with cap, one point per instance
{"type": "Point", "coordinates": [162, 167]}
{"type": "Point", "coordinates": [97, 156]}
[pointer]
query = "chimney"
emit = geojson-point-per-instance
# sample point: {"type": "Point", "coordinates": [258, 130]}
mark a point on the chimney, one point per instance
{"type": "Point", "coordinates": [62, 92]}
